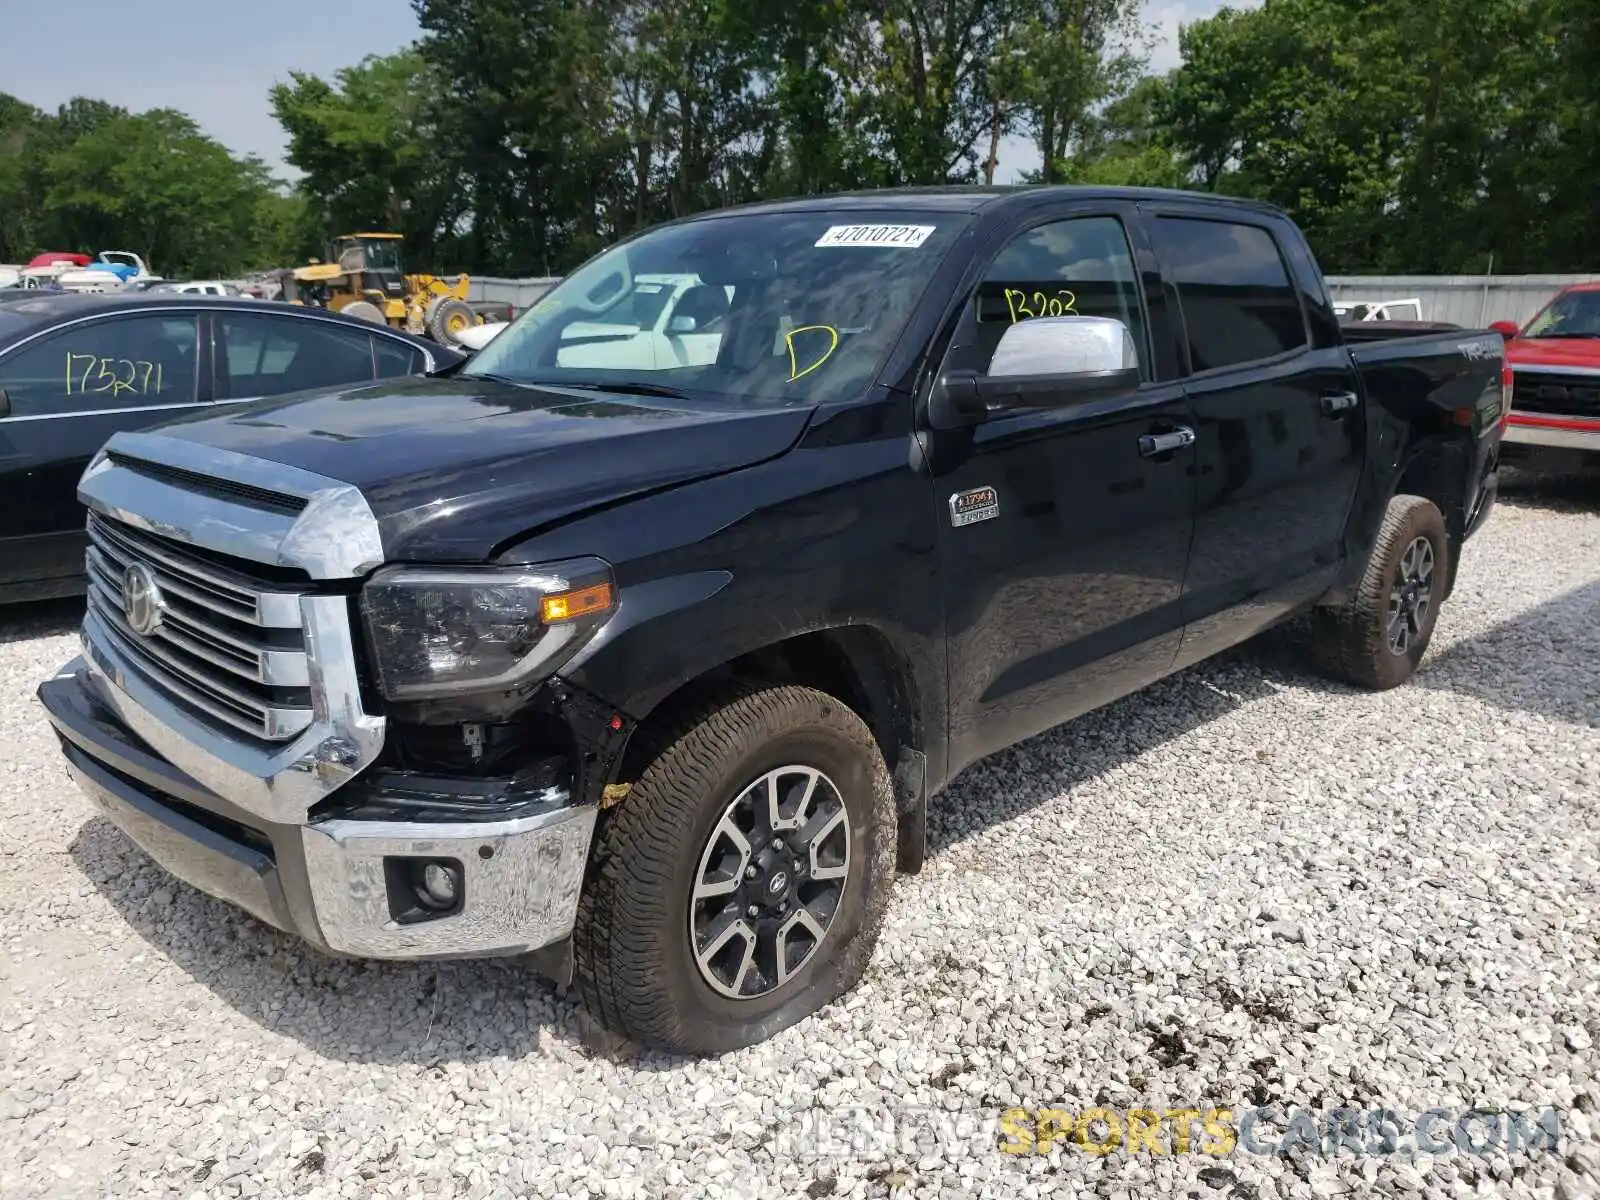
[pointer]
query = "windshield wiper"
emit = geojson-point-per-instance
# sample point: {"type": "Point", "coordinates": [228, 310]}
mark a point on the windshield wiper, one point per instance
{"type": "Point", "coordinates": [493, 378]}
{"type": "Point", "coordinates": [627, 387]}
{"type": "Point", "coordinates": [1552, 337]}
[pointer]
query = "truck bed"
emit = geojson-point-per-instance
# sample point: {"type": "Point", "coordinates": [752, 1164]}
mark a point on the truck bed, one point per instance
{"type": "Point", "coordinates": [1382, 331]}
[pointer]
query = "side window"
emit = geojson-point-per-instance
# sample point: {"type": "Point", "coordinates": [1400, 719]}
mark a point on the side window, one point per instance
{"type": "Point", "coordinates": [1238, 302]}
{"type": "Point", "coordinates": [1081, 266]}
{"type": "Point", "coordinates": [268, 356]}
{"type": "Point", "coordinates": [395, 358]}
{"type": "Point", "coordinates": [119, 362]}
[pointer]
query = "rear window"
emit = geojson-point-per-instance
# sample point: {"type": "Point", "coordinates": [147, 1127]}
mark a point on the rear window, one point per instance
{"type": "Point", "coordinates": [1238, 302]}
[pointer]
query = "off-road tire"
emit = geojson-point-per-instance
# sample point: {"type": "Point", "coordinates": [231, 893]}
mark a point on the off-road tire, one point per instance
{"type": "Point", "coordinates": [1351, 643]}
{"type": "Point", "coordinates": [445, 316]}
{"type": "Point", "coordinates": [364, 310]}
{"type": "Point", "coordinates": [634, 966]}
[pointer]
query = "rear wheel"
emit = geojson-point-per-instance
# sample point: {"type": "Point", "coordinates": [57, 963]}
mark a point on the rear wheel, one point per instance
{"type": "Point", "coordinates": [741, 884]}
{"type": "Point", "coordinates": [1379, 636]}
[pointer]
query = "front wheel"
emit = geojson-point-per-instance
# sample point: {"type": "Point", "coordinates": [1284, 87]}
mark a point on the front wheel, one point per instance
{"type": "Point", "coordinates": [1379, 636]}
{"type": "Point", "coordinates": [741, 884]}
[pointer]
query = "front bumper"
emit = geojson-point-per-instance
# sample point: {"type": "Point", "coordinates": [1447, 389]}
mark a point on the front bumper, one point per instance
{"type": "Point", "coordinates": [1553, 433]}
{"type": "Point", "coordinates": [338, 882]}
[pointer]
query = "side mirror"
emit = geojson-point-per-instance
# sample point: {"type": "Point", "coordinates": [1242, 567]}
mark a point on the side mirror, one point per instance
{"type": "Point", "coordinates": [1506, 329]}
{"type": "Point", "coordinates": [682, 325]}
{"type": "Point", "coordinates": [1045, 362]}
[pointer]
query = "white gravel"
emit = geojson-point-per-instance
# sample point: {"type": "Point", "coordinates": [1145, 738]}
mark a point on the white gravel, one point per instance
{"type": "Point", "coordinates": [1242, 886]}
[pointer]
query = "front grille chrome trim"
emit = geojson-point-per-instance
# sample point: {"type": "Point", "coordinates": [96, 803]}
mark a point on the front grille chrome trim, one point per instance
{"type": "Point", "coordinates": [201, 691]}
{"type": "Point", "coordinates": [198, 582]}
{"type": "Point", "coordinates": [334, 537]}
{"type": "Point", "coordinates": [249, 687]}
{"type": "Point", "coordinates": [205, 640]}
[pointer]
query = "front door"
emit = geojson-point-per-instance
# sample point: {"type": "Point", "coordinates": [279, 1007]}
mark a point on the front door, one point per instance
{"type": "Point", "coordinates": [1280, 430]}
{"type": "Point", "coordinates": [1065, 538]}
{"type": "Point", "coordinates": [67, 392]}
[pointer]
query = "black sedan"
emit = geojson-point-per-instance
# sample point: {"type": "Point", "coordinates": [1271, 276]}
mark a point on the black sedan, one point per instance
{"type": "Point", "coordinates": [75, 369]}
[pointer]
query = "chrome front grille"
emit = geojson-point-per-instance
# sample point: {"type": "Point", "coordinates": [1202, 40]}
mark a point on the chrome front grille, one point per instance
{"type": "Point", "coordinates": [228, 647]}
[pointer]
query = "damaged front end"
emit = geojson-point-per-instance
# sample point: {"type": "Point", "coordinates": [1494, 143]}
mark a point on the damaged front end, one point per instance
{"type": "Point", "coordinates": [227, 713]}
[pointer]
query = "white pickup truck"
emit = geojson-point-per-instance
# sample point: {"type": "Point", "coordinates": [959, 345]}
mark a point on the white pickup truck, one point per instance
{"type": "Point", "coordinates": [663, 321]}
{"type": "Point", "coordinates": [1378, 310]}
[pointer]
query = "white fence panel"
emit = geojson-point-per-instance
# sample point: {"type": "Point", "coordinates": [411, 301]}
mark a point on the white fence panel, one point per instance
{"type": "Point", "coordinates": [519, 293]}
{"type": "Point", "coordinates": [1471, 300]}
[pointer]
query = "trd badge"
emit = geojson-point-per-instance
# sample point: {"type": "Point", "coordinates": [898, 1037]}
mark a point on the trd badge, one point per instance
{"type": "Point", "coordinates": [974, 505]}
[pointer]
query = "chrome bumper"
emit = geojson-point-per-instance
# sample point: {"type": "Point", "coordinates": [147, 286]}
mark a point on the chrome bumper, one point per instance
{"type": "Point", "coordinates": [521, 884]}
{"type": "Point", "coordinates": [1572, 434]}
{"type": "Point", "coordinates": [327, 881]}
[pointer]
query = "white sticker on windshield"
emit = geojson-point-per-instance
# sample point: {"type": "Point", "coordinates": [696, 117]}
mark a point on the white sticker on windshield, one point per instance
{"type": "Point", "coordinates": [905, 237]}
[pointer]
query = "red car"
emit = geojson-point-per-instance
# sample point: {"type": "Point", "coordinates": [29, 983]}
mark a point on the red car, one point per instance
{"type": "Point", "coordinates": [1555, 401]}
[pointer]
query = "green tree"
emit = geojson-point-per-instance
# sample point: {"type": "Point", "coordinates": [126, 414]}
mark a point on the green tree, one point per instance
{"type": "Point", "coordinates": [153, 183]}
{"type": "Point", "coordinates": [1062, 63]}
{"type": "Point", "coordinates": [918, 74]}
{"type": "Point", "coordinates": [1422, 137]}
{"type": "Point", "coordinates": [365, 150]}
{"type": "Point", "coordinates": [524, 111]}
{"type": "Point", "coordinates": [1126, 144]}
{"type": "Point", "coordinates": [19, 215]}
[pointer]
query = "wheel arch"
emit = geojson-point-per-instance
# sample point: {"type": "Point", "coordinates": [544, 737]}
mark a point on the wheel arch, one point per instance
{"type": "Point", "coordinates": [1435, 464]}
{"type": "Point", "coordinates": [1437, 469]}
{"type": "Point", "coordinates": [860, 665]}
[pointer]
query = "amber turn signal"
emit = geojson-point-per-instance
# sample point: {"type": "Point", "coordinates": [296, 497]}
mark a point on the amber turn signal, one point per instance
{"type": "Point", "coordinates": [581, 602]}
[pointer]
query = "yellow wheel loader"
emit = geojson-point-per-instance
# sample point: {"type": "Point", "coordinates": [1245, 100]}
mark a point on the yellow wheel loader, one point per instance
{"type": "Point", "coordinates": [364, 279]}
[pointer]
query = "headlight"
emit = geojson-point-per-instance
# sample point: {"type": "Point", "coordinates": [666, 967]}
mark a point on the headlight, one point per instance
{"type": "Point", "coordinates": [445, 632]}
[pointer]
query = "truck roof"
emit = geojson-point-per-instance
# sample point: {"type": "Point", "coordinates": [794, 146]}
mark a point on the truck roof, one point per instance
{"type": "Point", "coordinates": [976, 197]}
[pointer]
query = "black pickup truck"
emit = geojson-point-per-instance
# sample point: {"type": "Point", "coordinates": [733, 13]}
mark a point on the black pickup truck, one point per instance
{"type": "Point", "coordinates": [641, 648]}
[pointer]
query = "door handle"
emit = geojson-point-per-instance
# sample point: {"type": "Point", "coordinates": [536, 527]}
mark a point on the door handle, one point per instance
{"type": "Point", "coordinates": [1336, 404]}
{"type": "Point", "coordinates": [1154, 445]}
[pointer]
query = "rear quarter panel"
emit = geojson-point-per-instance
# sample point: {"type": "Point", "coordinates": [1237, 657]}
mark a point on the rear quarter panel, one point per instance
{"type": "Point", "coordinates": [1432, 395]}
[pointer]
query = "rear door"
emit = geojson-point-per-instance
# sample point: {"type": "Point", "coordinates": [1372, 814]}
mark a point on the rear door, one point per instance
{"type": "Point", "coordinates": [1065, 538]}
{"type": "Point", "coordinates": [69, 390]}
{"type": "Point", "coordinates": [1280, 422]}
{"type": "Point", "coordinates": [262, 354]}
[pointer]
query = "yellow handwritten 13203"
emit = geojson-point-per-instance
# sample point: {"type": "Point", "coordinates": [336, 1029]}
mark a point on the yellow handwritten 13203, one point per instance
{"type": "Point", "coordinates": [1022, 305]}
{"type": "Point", "coordinates": [107, 375]}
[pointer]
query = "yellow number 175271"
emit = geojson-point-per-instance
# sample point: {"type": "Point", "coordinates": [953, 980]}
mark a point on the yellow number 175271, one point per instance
{"type": "Point", "coordinates": [91, 373]}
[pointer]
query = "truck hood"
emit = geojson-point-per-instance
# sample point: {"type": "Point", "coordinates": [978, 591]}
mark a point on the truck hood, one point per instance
{"type": "Point", "coordinates": [1554, 352]}
{"type": "Point", "coordinates": [455, 468]}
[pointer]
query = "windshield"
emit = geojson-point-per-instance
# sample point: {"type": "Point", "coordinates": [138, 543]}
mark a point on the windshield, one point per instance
{"type": "Point", "coordinates": [1569, 315]}
{"type": "Point", "coordinates": [383, 254]}
{"type": "Point", "coordinates": [767, 308]}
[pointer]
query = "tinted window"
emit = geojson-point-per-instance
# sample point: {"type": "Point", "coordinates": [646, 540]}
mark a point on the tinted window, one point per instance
{"type": "Point", "coordinates": [122, 361]}
{"type": "Point", "coordinates": [1238, 303]}
{"type": "Point", "coordinates": [1078, 267]}
{"type": "Point", "coordinates": [268, 356]}
{"type": "Point", "coordinates": [395, 358]}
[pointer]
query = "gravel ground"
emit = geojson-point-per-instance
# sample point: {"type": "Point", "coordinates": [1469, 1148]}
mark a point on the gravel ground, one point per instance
{"type": "Point", "coordinates": [1241, 887]}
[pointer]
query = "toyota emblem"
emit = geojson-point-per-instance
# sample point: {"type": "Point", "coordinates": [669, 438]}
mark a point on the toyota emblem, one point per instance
{"type": "Point", "coordinates": [142, 603]}
{"type": "Point", "coordinates": [778, 883]}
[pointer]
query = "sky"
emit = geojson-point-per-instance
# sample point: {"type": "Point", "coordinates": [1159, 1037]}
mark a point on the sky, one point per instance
{"type": "Point", "coordinates": [216, 61]}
